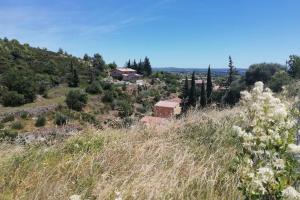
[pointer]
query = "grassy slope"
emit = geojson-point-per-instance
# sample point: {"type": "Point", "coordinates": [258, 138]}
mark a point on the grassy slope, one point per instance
{"type": "Point", "coordinates": [187, 159]}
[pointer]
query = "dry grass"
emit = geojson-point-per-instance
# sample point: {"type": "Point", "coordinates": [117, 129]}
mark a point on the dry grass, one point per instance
{"type": "Point", "coordinates": [188, 158]}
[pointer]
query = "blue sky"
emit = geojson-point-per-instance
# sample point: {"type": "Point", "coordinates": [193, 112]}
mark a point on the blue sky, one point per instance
{"type": "Point", "coordinates": [177, 33]}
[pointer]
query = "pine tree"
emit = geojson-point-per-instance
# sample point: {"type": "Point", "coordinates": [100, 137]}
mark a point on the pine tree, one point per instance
{"type": "Point", "coordinates": [192, 96]}
{"type": "Point", "coordinates": [203, 99]}
{"type": "Point", "coordinates": [231, 73]}
{"type": "Point", "coordinates": [209, 85]}
{"type": "Point", "coordinates": [147, 67]}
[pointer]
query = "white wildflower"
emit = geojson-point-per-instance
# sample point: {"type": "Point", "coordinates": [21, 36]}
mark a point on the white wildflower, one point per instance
{"type": "Point", "coordinates": [118, 195]}
{"type": "Point", "coordinates": [75, 197]}
{"type": "Point", "coordinates": [279, 164]}
{"type": "Point", "coordinates": [292, 148]}
{"type": "Point", "coordinates": [268, 129]}
{"type": "Point", "coordinates": [290, 194]}
{"type": "Point", "coordinates": [266, 174]}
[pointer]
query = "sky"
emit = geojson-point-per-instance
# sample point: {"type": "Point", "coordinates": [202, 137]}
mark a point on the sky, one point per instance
{"type": "Point", "coordinates": [172, 33]}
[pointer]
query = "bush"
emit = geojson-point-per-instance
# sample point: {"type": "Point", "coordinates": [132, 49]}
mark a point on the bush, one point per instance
{"type": "Point", "coordinates": [126, 109]}
{"type": "Point", "coordinates": [17, 125]}
{"type": "Point", "coordinates": [267, 164]}
{"type": "Point", "coordinates": [60, 119]}
{"type": "Point", "coordinates": [108, 97]}
{"type": "Point", "coordinates": [76, 100]}
{"type": "Point", "coordinates": [279, 79]}
{"type": "Point", "coordinates": [8, 135]}
{"type": "Point", "coordinates": [8, 118]}
{"type": "Point", "coordinates": [1, 126]}
{"type": "Point", "coordinates": [22, 82]}
{"type": "Point", "coordinates": [12, 98]}
{"type": "Point", "coordinates": [24, 115]}
{"type": "Point", "coordinates": [94, 88]}
{"type": "Point", "coordinates": [41, 121]}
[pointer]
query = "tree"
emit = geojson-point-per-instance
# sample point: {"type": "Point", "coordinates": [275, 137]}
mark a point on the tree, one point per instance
{"type": "Point", "coordinates": [233, 94]}
{"type": "Point", "coordinates": [22, 82]}
{"type": "Point", "coordinates": [294, 66]}
{"type": "Point", "coordinates": [140, 68]}
{"type": "Point", "coordinates": [128, 64]}
{"type": "Point", "coordinates": [232, 71]}
{"type": "Point", "coordinates": [203, 99]}
{"type": "Point", "coordinates": [134, 66]}
{"type": "Point", "coordinates": [279, 79]}
{"type": "Point", "coordinates": [261, 72]}
{"type": "Point", "coordinates": [185, 89]}
{"type": "Point", "coordinates": [209, 86]}
{"type": "Point", "coordinates": [76, 100]}
{"type": "Point", "coordinates": [98, 63]}
{"type": "Point", "coordinates": [147, 67]}
{"type": "Point", "coordinates": [73, 80]}
{"type": "Point", "coordinates": [112, 65]}
{"type": "Point", "coordinates": [192, 96]}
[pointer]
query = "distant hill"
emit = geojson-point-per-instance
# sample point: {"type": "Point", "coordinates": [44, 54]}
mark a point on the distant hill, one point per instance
{"type": "Point", "coordinates": [215, 71]}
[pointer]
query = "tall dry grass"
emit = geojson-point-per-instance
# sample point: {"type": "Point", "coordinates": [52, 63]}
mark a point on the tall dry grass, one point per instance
{"type": "Point", "coordinates": [189, 158]}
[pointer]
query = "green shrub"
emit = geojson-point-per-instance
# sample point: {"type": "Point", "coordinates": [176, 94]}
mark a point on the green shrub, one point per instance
{"type": "Point", "coordinates": [60, 119]}
{"type": "Point", "coordinates": [41, 121]}
{"type": "Point", "coordinates": [22, 82]}
{"type": "Point", "coordinates": [24, 115]}
{"type": "Point", "coordinates": [17, 125]}
{"type": "Point", "coordinates": [1, 126]}
{"type": "Point", "coordinates": [12, 98]}
{"type": "Point", "coordinates": [8, 135]}
{"type": "Point", "coordinates": [84, 144]}
{"type": "Point", "coordinates": [126, 109]}
{"type": "Point", "coordinates": [280, 79]}
{"type": "Point", "coordinates": [76, 100]}
{"type": "Point", "coordinates": [94, 88]}
{"type": "Point", "coordinates": [108, 97]}
{"type": "Point", "coordinates": [8, 118]}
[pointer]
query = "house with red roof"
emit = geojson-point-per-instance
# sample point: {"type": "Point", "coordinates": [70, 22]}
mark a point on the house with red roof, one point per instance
{"type": "Point", "coordinates": [125, 74]}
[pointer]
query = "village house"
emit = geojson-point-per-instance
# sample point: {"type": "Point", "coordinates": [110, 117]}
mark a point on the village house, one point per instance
{"type": "Point", "coordinates": [167, 109]}
{"type": "Point", "coordinates": [125, 74]}
{"type": "Point", "coordinates": [162, 111]}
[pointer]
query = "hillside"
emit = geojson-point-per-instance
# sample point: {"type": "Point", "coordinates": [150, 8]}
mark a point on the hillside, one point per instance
{"type": "Point", "coordinates": [192, 162]}
{"type": "Point", "coordinates": [40, 61]}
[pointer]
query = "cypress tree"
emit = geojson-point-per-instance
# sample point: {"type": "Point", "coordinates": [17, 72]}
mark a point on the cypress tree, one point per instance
{"type": "Point", "coordinates": [185, 89]}
{"type": "Point", "coordinates": [203, 95]}
{"type": "Point", "coordinates": [140, 68]}
{"type": "Point", "coordinates": [71, 75]}
{"type": "Point", "coordinates": [192, 96]}
{"type": "Point", "coordinates": [209, 85]}
{"type": "Point", "coordinates": [134, 66]}
{"type": "Point", "coordinates": [75, 78]}
{"type": "Point", "coordinates": [128, 64]}
{"type": "Point", "coordinates": [185, 95]}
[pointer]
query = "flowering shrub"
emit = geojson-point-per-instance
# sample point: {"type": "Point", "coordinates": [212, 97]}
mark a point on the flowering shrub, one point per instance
{"type": "Point", "coordinates": [268, 169]}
